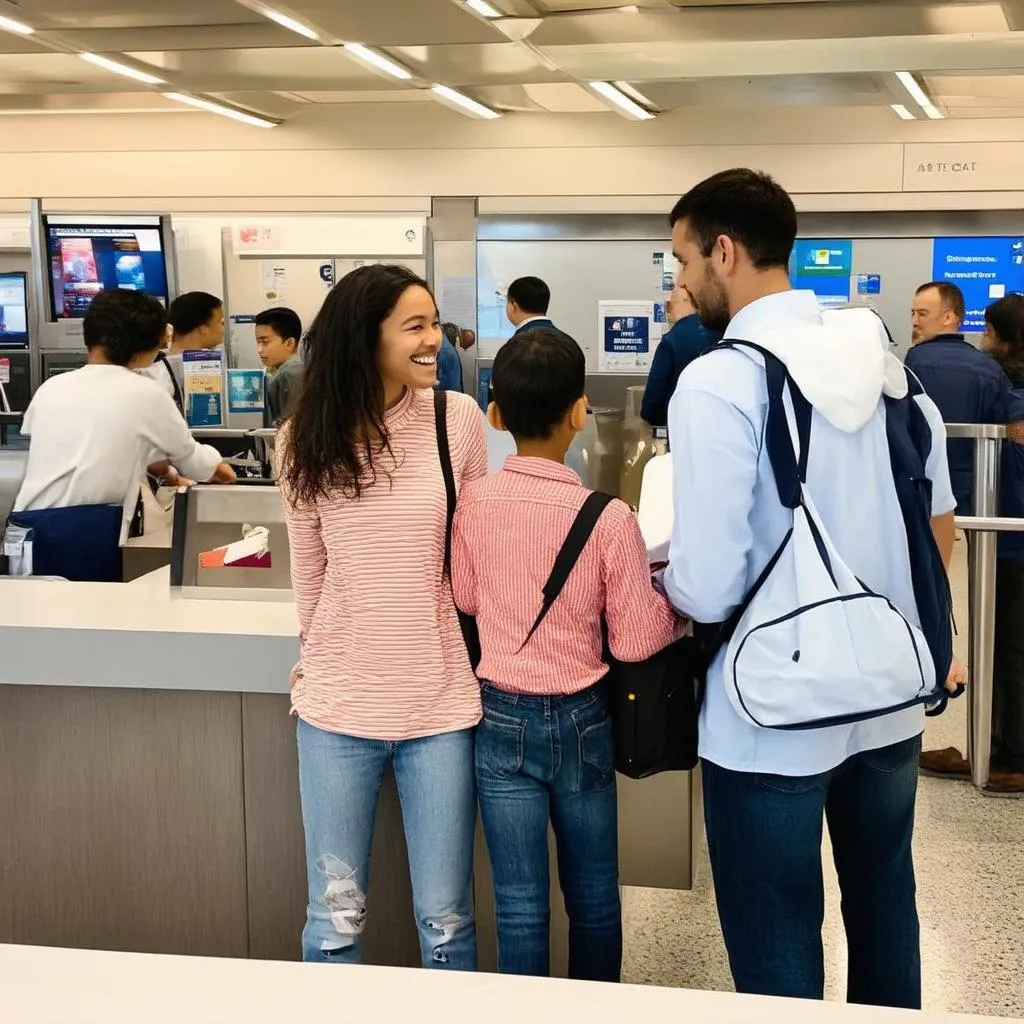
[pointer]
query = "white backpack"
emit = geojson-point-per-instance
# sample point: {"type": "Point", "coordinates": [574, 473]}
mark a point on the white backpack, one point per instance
{"type": "Point", "coordinates": [813, 646]}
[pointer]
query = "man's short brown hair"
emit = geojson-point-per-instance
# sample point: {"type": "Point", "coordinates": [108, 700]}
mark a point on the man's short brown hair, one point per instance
{"type": "Point", "coordinates": [949, 295]}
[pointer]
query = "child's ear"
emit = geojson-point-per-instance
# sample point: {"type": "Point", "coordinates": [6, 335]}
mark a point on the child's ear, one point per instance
{"type": "Point", "coordinates": [494, 417]}
{"type": "Point", "coordinates": [578, 414]}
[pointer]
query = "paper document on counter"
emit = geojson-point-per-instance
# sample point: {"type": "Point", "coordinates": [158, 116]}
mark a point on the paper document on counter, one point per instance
{"type": "Point", "coordinates": [654, 513]}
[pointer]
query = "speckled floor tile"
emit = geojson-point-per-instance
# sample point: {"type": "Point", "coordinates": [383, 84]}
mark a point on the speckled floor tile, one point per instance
{"type": "Point", "coordinates": [969, 851]}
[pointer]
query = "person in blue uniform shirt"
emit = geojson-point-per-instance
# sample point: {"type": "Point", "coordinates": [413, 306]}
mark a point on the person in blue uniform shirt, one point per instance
{"type": "Point", "coordinates": [767, 792]}
{"type": "Point", "coordinates": [687, 339]}
{"type": "Point", "coordinates": [449, 365]}
{"type": "Point", "coordinates": [967, 384]}
{"type": "Point", "coordinates": [975, 386]}
{"type": "Point", "coordinates": [526, 304]}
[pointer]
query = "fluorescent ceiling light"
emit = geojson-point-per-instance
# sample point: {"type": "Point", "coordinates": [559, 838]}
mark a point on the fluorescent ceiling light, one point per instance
{"type": "Point", "coordinates": [625, 105]}
{"type": "Point", "coordinates": [377, 60]}
{"type": "Point", "coordinates": [224, 111]}
{"type": "Point", "coordinates": [910, 83]}
{"type": "Point", "coordinates": [464, 103]}
{"type": "Point", "coordinates": [932, 112]}
{"type": "Point", "coordinates": [901, 112]}
{"type": "Point", "coordinates": [634, 94]}
{"type": "Point", "coordinates": [483, 8]}
{"type": "Point", "coordinates": [121, 69]}
{"type": "Point", "coordinates": [10, 25]}
{"type": "Point", "coordinates": [285, 21]}
{"type": "Point", "coordinates": [629, 9]}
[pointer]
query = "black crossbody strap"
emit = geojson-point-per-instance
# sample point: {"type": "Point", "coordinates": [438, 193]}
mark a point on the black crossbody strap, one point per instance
{"type": "Point", "coordinates": [179, 399]}
{"type": "Point", "coordinates": [445, 455]}
{"type": "Point", "coordinates": [569, 554]}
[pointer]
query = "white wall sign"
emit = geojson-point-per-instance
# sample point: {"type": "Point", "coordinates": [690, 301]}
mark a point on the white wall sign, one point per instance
{"type": "Point", "coordinates": [627, 335]}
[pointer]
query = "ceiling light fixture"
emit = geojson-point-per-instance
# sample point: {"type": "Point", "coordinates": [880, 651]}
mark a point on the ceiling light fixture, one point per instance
{"type": "Point", "coordinates": [624, 105]}
{"type": "Point", "coordinates": [484, 9]}
{"type": "Point", "coordinates": [122, 69]}
{"type": "Point", "coordinates": [901, 112]}
{"type": "Point", "coordinates": [635, 94]}
{"type": "Point", "coordinates": [629, 9]}
{"type": "Point", "coordinates": [224, 111]}
{"type": "Point", "coordinates": [18, 27]}
{"type": "Point", "coordinates": [464, 103]}
{"type": "Point", "coordinates": [919, 96]}
{"type": "Point", "coordinates": [377, 60]}
{"type": "Point", "coordinates": [290, 23]}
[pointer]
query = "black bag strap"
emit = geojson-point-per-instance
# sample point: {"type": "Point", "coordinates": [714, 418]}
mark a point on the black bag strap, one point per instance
{"type": "Point", "coordinates": [569, 554]}
{"type": "Point", "coordinates": [179, 399]}
{"type": "Point", "coordinates": [445, 456]}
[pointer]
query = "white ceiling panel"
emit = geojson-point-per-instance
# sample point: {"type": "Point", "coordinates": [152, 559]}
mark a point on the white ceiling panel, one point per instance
{"type": "Point", "coordinates": [71, 14]}
{"type": "Point", "coordinates": [724, 54]}
{"type": "Point", "coordinates": [490, 64]}
{"type": "Point", "coordinates": [396, 22]}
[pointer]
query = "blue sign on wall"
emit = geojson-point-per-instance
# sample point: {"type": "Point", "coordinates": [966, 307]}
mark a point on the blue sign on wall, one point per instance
{"type": "Point", "coordinates": [823, 266]}
{"type": "Point", "coordinates": [625, 335]}
{"type": "Point", "coordinates": [985, 269]}
{"type": "Point", "coordinates": [869, 284]}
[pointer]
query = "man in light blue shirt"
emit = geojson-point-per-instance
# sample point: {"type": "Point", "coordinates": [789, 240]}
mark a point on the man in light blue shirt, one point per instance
{"type": "Point", "coordinates": [766, 792]}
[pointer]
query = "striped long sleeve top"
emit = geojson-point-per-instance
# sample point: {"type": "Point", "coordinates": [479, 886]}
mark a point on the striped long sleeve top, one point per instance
{"type": "Point", "coordinates": [508, 530]}
{"type": "Point", "coordinates": [382, 653]}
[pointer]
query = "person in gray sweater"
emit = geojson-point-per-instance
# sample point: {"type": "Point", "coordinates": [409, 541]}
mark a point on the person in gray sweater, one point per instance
{"type": "Point", "coordinates": [278, 333]}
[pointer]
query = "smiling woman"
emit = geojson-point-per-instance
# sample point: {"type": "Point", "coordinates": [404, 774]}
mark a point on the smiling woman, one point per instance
{"type": "Point", "coordinates": [385, 675]}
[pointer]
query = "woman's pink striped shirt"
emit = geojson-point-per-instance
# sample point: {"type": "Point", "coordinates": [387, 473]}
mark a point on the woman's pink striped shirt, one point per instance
{"type": "Point", "coordinates": [382, 653]}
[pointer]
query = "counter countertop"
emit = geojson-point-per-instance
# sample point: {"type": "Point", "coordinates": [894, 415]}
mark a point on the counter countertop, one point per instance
{"type": "Point", "coordinates": [61, 986]}
{"type": "Point", "coordinates": [142, 635]}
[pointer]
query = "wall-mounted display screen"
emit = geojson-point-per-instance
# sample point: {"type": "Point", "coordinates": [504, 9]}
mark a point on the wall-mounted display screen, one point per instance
{"type": "Point", "coordinates": [13, 310]}
{"type": "Point", "coordinates": [86, 259]}
{"type": "Point", "coordinates": [985, 269]}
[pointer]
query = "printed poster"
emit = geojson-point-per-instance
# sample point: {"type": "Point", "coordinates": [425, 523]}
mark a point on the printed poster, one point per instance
{"type": "Point", "coordinates": [627, 334]}
{"type": "Point", "coordinates": [204, 388]}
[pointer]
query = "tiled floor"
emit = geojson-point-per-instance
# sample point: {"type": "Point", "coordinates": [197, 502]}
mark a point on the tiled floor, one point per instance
{"type": "Point", "coordinates": [970, 868]}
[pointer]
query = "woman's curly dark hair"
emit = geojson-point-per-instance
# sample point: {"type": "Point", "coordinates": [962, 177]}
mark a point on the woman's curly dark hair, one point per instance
{"type": "Point", "coordinates": [336, 428]}
{"type": "Point", "coordinates": [1006, 318]}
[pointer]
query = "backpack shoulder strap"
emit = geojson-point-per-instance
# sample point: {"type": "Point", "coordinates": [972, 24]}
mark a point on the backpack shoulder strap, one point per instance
{"type": "Point", "coordinates": [569, 554]}
{"type": "Point", "coordinates": [788, 465]}
{"type": "Point", "coordinates": [445, 456]}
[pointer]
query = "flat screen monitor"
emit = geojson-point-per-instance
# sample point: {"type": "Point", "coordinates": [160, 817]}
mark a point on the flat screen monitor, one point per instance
{"type": "Point", "coordinates": [86, 259]}
{"type": "Point", "coordinates": [13, 310]}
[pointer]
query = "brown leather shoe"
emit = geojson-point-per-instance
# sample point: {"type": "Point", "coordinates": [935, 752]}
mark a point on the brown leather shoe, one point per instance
{"type": "Point", "coordinates": [947, 763]}
{"type": "Point", "coordinates": [1005, 783]}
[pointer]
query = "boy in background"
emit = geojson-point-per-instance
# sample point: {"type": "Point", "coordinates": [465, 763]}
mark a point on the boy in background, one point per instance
{"type": "Point", "coordinates": [278, 333]}
{"type": "Point", "coordinates": [544, 749]}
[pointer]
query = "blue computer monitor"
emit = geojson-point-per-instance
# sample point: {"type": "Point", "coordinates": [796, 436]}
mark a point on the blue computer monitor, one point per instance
{"type": "Point", "coordinates": [13, 310]}
{"type": "Point", "coordinates": [86, 259]}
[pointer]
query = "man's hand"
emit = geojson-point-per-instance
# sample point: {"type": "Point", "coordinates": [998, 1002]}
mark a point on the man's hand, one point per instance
{"type": "Point", "coordinates": [957, 676]}
{"type": "Point", "coordinates": [224, 475]}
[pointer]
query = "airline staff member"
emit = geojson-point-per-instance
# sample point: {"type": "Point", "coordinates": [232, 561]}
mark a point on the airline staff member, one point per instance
{"type": "Point", "coordinates": [197, 324]}
{"type": "Point", "coordinates": [92, 434]}
{"type": "Point", "coordinates": [526, 304]}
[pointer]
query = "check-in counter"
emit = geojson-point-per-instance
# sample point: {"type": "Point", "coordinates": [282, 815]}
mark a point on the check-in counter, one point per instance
{"type": "Point", "coordinates": [148, 769]}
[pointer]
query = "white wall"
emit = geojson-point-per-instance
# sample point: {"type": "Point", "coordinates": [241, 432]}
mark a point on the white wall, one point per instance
{"type": "Point", "coordinates": [392, 156]}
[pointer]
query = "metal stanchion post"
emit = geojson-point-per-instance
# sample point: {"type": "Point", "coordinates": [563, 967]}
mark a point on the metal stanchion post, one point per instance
{"type": "Point", "coordinates": [982, 562]}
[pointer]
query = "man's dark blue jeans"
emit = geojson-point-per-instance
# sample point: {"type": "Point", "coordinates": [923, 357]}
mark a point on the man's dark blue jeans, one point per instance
{"type": "Point", "coordinates": [764, 836]}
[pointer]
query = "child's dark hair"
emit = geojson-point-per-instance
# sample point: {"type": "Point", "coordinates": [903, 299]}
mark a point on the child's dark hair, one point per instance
{"type": "Point", "coordinates": [538, 376]}
{"type": "Point", "coordinates": [124, 324]}
{"type": "Point", "coordinates": [284, 322]}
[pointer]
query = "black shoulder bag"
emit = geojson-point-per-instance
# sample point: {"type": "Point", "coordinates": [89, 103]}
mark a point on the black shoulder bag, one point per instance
{"type": "Point", "coordinates": [467, 623]}
{"type": "Point", "coordinates": [654, 703]}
